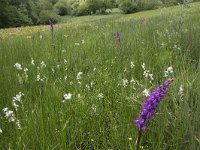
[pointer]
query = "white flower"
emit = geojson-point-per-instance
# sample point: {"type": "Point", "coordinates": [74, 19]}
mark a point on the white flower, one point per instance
{"type": "Point", "coordinates": [168, 71]}
{"type": "Point", "coordinates": [146, 92]}
{"type": "Point", "coordinates": [9, 115]}
{"type": "Point", "coordinates": [42, 64]}
{"type": "Point", "coordinates": [1, 131]}
{"type": "Point", "coordinates": [25, 69]}
{"type": "Point", "coordinates": [79, 75]}
{"type": "Point", "coordinates": [64, 51]}
{"type": "Point", "coordinates": [5, 109]}
{"type": "Point", "coordinates": [87, 87]}
{"type": "Point", "coordinates": [18, 124]}
{"type": "Point", "coordinates": [38, 78]}
{"type": "Point", "coordinates": [125, 82]}
{"type": "Point", "coordinates": [65, 77]}
{"type": "Point", "coordinates": [53, 70]}
{"type": "Point", "coordinates": [67, 97]}
{"type": "Point", "coordinates": [146, 73]}
{"type": "Point", "coordinates": [79, 96]}
{"type": "Point", "coordinates": [143, 66]}
{"type": "Point", "coordinates": [100, 96]}
{"type": "Point", "coordinates": [94, 108]}
{"type": "Point", "coordinates": [83, 41]}
{"type": "Point", "coordinates": [163, 44]}
{"type": "Point", "coordinates": [132, 65]}
{"type": "Point", "coordinates": [65, 61]}
{"type": "Point", "coordinates": [32, 61]}
{"type": "Point", "coordinates": [77, 44]}
{"type": "Point", "coordinates": [181, 90]}
{"type": "Point", "coordinates": [94, 69]}
{"type": "Point", "coordinates": [18, 66]}
{"type": "Point", "coordinates": [17, 98]}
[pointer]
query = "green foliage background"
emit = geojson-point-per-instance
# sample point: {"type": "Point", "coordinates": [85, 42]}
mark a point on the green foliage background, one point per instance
{"type": "Point", "coordinates": [14, 13]}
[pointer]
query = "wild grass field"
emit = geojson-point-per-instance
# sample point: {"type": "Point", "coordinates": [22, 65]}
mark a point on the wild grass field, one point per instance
{"type": "Point", "coordinates": [82, 88]}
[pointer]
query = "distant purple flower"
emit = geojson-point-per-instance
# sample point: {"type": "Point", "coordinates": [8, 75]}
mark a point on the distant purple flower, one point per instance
{"type": "Point", "coordinates": [51, 25]}
{"type": "Point", "coordinates": [150, 105]}
{"type": "Point", "coordinates": [118, 37]}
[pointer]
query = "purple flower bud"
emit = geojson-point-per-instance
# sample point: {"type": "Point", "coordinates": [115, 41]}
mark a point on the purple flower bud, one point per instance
{"type": "Point", "coordinates": [150, 105]}
{"type": "Point", "coordinates": [51, 25]}
{"type": "Point", "coordinates": [118, 37]}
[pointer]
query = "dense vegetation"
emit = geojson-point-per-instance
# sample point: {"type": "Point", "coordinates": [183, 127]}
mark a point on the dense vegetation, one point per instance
{"type": "Point", "coordinates": [14, 13]}
{"type": "Point", "coordinates": [80, 87]}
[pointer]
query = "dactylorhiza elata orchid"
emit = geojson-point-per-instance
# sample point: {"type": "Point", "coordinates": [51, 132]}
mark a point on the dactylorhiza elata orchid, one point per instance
{"type": "Point", "coordinates": [149, 108]}
{"type": "Point", "coordinates": [150, 105]}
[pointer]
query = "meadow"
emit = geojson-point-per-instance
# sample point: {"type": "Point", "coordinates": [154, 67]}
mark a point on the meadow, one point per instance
{"type": "Point", "coordinates": [81, 88]}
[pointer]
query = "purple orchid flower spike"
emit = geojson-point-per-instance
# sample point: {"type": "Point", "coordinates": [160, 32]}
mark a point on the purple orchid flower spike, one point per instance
{"type": "Point", "coordinates": [150, 105]}
{"type": "Point", "coordinates": [51, 26]}
{"type": "Point", "coordinates": [149, 108]}
{"type": "Point", "coordinates": [118, 37]}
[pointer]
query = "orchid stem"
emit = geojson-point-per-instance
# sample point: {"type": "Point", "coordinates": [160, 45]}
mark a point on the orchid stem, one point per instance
{"type": "Point", "coordinates": [138, 140]}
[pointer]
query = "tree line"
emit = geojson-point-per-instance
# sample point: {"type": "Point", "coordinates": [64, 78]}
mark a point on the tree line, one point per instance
{"type": "Point", "coordinates": [15, 13]}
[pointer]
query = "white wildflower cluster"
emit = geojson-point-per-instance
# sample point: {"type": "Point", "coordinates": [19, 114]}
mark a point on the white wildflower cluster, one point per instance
{"type": "Point", "coordinates": [147, 73]}
{"type": "Point", "coordinates": [124, 82]}
{"type": "Point", "coordinates": [38, 78]}
{"type": "Point", "coordinates": [143, 66]}
{"type": "Point", "coordinates": [65, 77]}
{"type": "Point", "coordinates": [89, 86]}
{"type": "Point", "coordinates": [135, 83]}
{"type": "Point", "coordinates": [18, 66]}
{"type": "Point", "coordinates": [146, 92]}
{"type": "Point", "coordinates": [94, 108]}
{"type": "Point", "coordinates": [25, 70]}
{"type": "Point", "coordinates": [17, 99]}
{"type": "Point", "coordinates": [132, 65]}
{"type": "Point", "coordinates": [32, 61]}
{"type": "Point", "coordinates": [67, 97]}
{"type": "Point", "coordinates": [100, 96]}
{"type": "Point", "coordinates": [181, 92]}
{"type": "Point", "coordinates": [83, 41]}
{"type": "Point", "coordinates": [168, 71]}
{"type": "Point", "coordinates": [79, 75]}
{"type": "Point", "coordinates": [9, 115]}
{"type": "Point", "coordinates": [42, 64]}
{"type": "Point", "coordinates": [18, 124]}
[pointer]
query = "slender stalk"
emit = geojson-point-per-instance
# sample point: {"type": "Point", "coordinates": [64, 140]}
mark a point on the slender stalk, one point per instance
{"type": "Point", "coordinates": [138, 140]}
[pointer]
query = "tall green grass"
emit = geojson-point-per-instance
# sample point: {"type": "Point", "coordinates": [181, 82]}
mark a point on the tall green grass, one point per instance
{"type": "Point", "coordinates": [90, 122]}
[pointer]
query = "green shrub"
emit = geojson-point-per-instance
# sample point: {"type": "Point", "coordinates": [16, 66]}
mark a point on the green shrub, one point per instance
{"type": "Point", "coordinates": [11, 17]}
{"type": "Point", "coordinates": [128, 6]}
{"type": "Point", "coordinates": [62, 7]}
{"type": "Point", "coordinates": [149, 4]}
{"type": "Point", "coordinates": [46, 15]}
{"type": "Point", "coordinates": [88, 7]}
